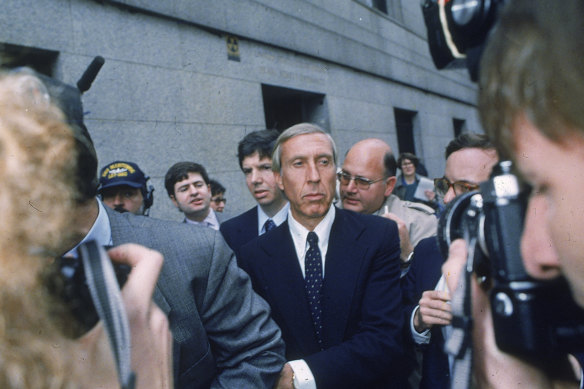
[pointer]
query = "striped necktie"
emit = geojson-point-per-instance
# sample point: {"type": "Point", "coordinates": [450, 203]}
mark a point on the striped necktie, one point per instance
{"type": "Point", "coordinates": [269, 225]}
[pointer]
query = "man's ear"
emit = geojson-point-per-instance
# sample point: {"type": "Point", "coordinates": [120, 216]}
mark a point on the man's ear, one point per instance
{"type": "Point", "coordinates": [278, 178]}
{"type": "Point", "coordinates": [173, 199]}
{"type": "Point", "coordinates": [389, 185]}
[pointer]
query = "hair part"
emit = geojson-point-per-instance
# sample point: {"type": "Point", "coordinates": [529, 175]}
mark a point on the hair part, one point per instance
{"type": "Point", "coordinates": [216, 187]}
{"type": "Point", "coordinates": [261, 142]}
{"type": "Point", "coordinates": [296, 130]}
{"type": "Point", "coordinates": [468, 140]}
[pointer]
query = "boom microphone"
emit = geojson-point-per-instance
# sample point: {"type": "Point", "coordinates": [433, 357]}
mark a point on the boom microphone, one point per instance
{"type": "Point", "coordinates": [90, 73]}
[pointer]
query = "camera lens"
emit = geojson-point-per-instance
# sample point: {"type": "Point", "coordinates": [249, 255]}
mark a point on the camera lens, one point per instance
{"type": "Point", "coordinates": [464, 11]}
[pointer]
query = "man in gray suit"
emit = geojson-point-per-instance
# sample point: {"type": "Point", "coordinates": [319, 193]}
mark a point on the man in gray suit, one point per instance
{"type": "Point", "coordinates": [223, 334]}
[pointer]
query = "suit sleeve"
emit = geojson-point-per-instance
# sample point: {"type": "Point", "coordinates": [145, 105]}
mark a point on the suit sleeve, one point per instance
{"type": "Point", "coordinates": [376, 348]}
{"type": "Point", "coordinates": [246, 342]}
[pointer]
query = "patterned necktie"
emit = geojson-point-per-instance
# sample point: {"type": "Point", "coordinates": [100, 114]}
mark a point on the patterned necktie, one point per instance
{"type": "Point", "coordinates": [313, 283]}
{"type": "Point", "coordinates": [269, 225]}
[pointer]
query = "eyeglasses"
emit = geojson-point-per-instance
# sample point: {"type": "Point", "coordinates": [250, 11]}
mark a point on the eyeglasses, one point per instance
{"type": "Point", "coordinates": [442, 186]}
{"type": "Point", "coordinates": [361, 182]}
{"type": "Point", "coordinates": [218, 200]}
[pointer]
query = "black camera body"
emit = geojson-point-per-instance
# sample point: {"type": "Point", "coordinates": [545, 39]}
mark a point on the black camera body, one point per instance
{"type": "Point", "coordinates": [71, 284]}
{"type": "Point", "coordinates": [457, 30]}
{"type": "Point", "coordinates": [531, 318]}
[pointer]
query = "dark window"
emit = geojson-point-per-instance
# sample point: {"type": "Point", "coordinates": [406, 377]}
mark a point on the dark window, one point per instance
{"type": "Point", "coordinates": [284, 107]}
{"type": "Point", "coordinates": [404, 125]}
{"type": "Point", "coordinates": [459, 126]}
{"type": "Point", "coordinates": [43, 61]}
{"type": "Point", "coordinates": [391, 8]}
{"type": "Point", "coordinates": [380, 5]}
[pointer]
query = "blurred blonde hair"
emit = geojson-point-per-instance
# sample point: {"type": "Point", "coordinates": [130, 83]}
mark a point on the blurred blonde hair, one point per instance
{"type": "Point", "coordinates": [37, 166]}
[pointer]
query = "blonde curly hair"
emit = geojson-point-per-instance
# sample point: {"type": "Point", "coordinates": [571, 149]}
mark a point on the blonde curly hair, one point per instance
{"type": "Point", "coordinates": [37, 169]}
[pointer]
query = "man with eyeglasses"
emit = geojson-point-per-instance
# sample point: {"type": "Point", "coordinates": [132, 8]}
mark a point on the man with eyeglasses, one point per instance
{"type": "Point", "coordinates": [367, 180]}
{"type": "Point", "coordinates": [469, 160]}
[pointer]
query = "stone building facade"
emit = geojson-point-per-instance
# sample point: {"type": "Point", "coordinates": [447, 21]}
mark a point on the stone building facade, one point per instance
{"type": "Point", "coordinates": [187, 79]}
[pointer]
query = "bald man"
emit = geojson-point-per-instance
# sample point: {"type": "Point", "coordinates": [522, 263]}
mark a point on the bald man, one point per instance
{"type": "Point", "coordinates": [367, 179]}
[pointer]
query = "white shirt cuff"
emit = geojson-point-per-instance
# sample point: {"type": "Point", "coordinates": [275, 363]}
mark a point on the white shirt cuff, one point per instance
{"type": "Point", "coordinates": [419, 337]}
{"type": "Point", "coordinates": [303, 378]}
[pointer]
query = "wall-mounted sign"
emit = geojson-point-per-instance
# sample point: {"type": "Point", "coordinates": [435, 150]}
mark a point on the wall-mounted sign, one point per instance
{"type": "Point", "coordinates": [232, 48]}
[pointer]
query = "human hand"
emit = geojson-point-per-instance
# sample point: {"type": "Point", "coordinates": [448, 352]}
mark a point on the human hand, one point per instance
{"type": "Point", "coordinates": [405, 244]}
{"type": "Point", "coordinates": [430, 194]}
{"type": "Point", "coordinates": [286, 380]}
{"type": "Point", "coordinates": [151, 339]}
{"type": "Point", "coordinates": [434, 309]}
{"type": "Point", "coordinates": [492, 367]}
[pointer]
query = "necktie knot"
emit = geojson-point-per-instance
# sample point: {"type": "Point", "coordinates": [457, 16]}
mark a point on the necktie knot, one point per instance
{"type": "Point", "coordinates": [312, 239]}
{"type": "Point", "coordinates": [269, 225]}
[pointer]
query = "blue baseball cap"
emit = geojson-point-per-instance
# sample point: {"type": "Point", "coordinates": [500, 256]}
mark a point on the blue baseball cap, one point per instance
{"type": "Point", "coordinates": [121, 173]}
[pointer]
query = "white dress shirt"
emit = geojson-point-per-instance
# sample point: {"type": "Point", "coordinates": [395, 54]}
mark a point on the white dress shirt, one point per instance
{"type": "Point", "coordinates": [303, 377]}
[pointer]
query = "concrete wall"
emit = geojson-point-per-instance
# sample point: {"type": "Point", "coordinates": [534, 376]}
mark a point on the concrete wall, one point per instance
{"type": "Point", "coordinates": [167, 91]}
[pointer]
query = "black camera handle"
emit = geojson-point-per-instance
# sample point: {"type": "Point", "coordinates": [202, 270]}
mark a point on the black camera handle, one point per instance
{"type": "Point", "coordinates": [107, 299]}
{"type": "Point", "coordinates": [459, 343]}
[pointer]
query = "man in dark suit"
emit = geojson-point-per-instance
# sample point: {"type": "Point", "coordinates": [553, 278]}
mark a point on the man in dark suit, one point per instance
{"type": "Point", "coordinates": [255, 160]}
{"type": "Point", "coordinates": [331, 276]}
{"type": "Point", "coordinates": [223, 335]}
{"type": "Point", "coordinates": [469, 159]}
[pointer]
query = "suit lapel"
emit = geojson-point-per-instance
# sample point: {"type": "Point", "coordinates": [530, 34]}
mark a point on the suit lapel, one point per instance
{"type": "Point", "coordinates": [247, 230]}
{"type": "Point", "coordinates": [344, 260]}
{"type": "Point", "coordinates": [282, 273]}
{"type": "Point", "coordinates": [123, 232]}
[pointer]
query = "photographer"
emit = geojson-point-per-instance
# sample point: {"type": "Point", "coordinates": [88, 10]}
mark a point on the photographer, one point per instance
{"type": "Point", "coordinates": [37, 170]}
{"type": "Point", "coordinates": [531, 91]}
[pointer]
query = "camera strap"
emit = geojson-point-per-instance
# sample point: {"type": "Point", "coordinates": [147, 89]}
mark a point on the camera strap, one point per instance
{"type": "Point", "coordinates": [109, 305]}
{"type": "Point", "coordinates": [459, 344]}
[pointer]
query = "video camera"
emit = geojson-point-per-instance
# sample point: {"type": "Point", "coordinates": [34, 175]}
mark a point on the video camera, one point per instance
{"type": "Point", "coordinates": [72, 286]}
{"type": "Point", "coordinates": [531, 317]}
{"type": "Point", "coordinates": [457, 31]}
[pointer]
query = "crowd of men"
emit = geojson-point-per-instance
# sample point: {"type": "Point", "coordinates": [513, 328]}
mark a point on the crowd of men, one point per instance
{"type": "Point", "coordinates": [335, 278]}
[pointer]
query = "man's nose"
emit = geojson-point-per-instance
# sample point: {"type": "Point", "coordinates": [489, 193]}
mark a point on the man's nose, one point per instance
{"type": "Point", "coordinates": [256, 177]}
{"type": "Point", "coordinates": [449, 196]}
{"type": "Point", "coordinates": [118, 199]}
{"type": "Point", "coordinates": [312, 173]}
{"type": "Point", "coordinates": [351, 186]}
{"type": "Point", "coordinates": [193, 190]}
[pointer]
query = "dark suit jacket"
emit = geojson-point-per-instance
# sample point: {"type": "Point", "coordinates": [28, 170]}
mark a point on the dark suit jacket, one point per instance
{"type": "Point", "coordinates": [424, 274]}
{"type": "Point", "coordinates": [224, 337]}
{"type": "Point", "coordinates": [241, 229]}
{"type": "Point", "coordinates": [361, 307]}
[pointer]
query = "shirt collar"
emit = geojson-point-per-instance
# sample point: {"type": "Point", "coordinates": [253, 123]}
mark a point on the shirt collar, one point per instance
{"type": "Point", "coordinates": [101, 231]}
{"type": "Point", "coordinates": [278, 218]}
{"type": "Point", "coordinates": [210, 221]}
{"type": "Point", "coordinates": [322, 230]}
